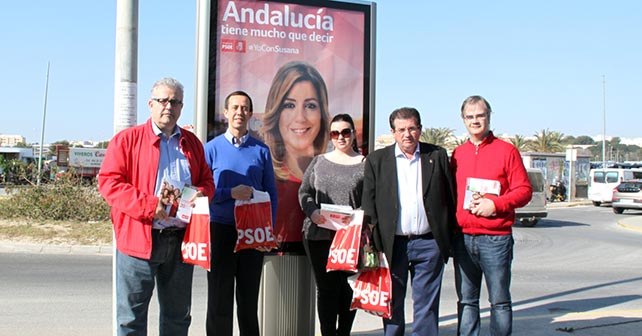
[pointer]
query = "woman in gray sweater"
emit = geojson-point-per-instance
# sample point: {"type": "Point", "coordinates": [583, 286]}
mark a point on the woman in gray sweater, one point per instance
{"type": "Point", "coordinates": [335, 177]}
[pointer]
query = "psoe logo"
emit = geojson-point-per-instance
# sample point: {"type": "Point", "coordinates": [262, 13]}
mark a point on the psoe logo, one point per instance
{"type": "Point", "coordinates": [228, 45]}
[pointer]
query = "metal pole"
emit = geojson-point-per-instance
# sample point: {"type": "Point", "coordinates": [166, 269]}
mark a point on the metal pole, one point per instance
{"type": "Point", "coordinates": [571, 175]}
{"type": "Point", "coordinates": [202, 68]}
{"type": "Point", "coordinates": [42, 134]}
{"type": "Point", "coordinates": [125, 95]}
{"type": "Point", "coordinates": [126, 65]}
{"type": "Point", "coordinates": [604, 121]}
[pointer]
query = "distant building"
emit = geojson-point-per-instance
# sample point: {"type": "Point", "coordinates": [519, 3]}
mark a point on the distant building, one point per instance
{"type": "Point", "coordinates": [555, 166]}
{"type": "Point", "coordinates": [383, 141]}
{"type": "Point", "coordinates": [7, 140]}
{"type": "Point", "coordinates": [15, 153]}
{"type": "Point", "coordinates": [84, 143]}
{"type": "Point", "coordinates": [45, 150]}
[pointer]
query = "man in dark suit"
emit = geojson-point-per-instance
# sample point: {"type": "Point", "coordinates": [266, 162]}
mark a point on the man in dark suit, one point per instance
{"type": "Point", "coordinates": [409, 201]}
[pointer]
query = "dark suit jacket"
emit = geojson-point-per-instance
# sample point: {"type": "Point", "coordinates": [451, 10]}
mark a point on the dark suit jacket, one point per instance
{"type": "Point", "coordinates": [381, 199]}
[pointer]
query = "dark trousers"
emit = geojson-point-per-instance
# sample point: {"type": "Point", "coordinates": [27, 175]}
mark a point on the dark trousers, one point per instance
{"type": "Point", "coordinates": [245, 268]}
{"type": "Point", "coordinates": [334, 294]}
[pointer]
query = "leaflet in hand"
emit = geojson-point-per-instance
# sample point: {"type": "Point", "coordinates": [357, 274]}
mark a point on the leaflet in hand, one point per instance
{"type": "Point", "coordinates": [477, 188]}
{"type": "Point", "coordinates": [336, 216]}
{"type": "Point", "coordinates": [184, 212]}
{"type": "Point", "coordinates": [176, 196]}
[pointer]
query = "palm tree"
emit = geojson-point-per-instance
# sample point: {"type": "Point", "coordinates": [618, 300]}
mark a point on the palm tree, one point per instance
{"type": "Point", "coordinates": [459, 141]}
{"type": "Point", "coordinates": [520, 142]}
{"type": "Point", "coordinates": [438, 136]}
{"type": "Point", "coordinates": [102, 144]}
{"type": "Point", "coordinates": [547, 141]}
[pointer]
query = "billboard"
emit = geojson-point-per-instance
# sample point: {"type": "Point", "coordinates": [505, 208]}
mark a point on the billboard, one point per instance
{"type": "Point", "coordinates": [267, 48]}
{"type": "Point", "coordinates": [86, 157]}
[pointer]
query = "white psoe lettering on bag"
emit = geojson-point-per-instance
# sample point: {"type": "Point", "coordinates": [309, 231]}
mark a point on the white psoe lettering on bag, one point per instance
{"type": "Point", "coordinates": [374, 298]}
{"type": "Point", "coordinates": [343, 256]}
{"type": "Point", "coordinates": [194, 251]}
{"type": "Point", "coordinates": [258, 235]}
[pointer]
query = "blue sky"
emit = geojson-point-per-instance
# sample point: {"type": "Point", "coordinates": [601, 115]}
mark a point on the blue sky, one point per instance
{"type": "Point", "coordinates": [539, 63]}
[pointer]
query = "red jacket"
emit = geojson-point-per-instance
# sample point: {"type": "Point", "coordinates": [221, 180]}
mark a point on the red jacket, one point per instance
{"type": "Point", "coordinates": [127, 180]}
{"type": "Point", "coordinates": [493, 159]}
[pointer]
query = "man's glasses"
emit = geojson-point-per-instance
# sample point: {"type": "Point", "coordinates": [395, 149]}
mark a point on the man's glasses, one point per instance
{"type": "Point", "coordinates": [411, 129]}
{"type": "Point", "coordinates": [346, 132]}
{"type": "Point", "coordinates": [480, 116]}
{"type": "Point", "coordinates": [164, 101]}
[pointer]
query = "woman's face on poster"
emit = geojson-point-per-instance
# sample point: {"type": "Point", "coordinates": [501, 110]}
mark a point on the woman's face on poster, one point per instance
{"type": "Point", "coordinates": [300, 118]}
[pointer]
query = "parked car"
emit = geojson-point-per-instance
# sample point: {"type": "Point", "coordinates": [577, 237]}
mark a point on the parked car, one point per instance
{"type": "Point", "coordinates": [627, 195]}
{"type": "Point", "coordinates": [532, 212]}
{"type": "Point", "coordinates": [602, 182]}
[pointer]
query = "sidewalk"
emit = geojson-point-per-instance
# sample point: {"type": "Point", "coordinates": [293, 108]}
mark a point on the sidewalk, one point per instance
{"type": "Point", "coordinates": [627, 222]}
{"type": "Point", "coordinates": [565, 204]}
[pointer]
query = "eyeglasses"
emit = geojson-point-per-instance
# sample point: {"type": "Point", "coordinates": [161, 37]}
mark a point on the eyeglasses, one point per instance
{"type": "Point", "coordinates": [164, 101]}
{"type": "Point", "coordinates": [480, 116]}
{"type": "Point", "coordinates": [346, 132]}
{"type": "Point", "coordinates": [411, 129]}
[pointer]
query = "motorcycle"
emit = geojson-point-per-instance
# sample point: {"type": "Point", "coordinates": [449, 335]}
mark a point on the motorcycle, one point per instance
{"type": "Point", "coordinates": [558, 192]}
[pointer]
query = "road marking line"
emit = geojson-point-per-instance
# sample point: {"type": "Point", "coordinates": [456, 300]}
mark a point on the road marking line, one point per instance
{"type": "Point", "coordinates": [630, 227]}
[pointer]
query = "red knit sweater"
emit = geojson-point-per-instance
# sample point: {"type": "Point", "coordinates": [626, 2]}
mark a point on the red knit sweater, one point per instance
{"type": "Point", "coordinates": [492, 159]}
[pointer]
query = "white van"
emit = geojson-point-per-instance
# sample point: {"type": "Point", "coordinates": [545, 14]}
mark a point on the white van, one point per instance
{"type": "Point", "coordinates": [602, 181]}
{"type": "Point", "coordinates": [531, 213]}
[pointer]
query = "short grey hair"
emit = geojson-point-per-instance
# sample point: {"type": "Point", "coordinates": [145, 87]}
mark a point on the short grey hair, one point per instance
{"type": "Point", "coordinates": [170, 83]}
{"type": "Point", "coordinates": [474, 100]}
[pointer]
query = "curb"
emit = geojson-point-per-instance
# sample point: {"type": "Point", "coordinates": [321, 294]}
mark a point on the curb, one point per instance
{"type": "Point", "coordinates": [567, 204]}
{"type": "Point", "coordinates": [106, 250]}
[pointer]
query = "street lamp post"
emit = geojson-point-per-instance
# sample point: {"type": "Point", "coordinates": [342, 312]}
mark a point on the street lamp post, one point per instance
{"type": "Point", "coordinates": [42, 134]}
{"type": "Point", "coordinates": [603, 121]}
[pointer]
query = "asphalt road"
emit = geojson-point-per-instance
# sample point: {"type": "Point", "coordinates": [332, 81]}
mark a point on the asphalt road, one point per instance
{"type": "Point", "coordinates": [575, 271]}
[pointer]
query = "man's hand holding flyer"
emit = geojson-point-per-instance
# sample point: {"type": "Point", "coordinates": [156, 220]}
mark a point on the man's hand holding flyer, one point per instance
{"type": "Point", "coordinates": [476, 188]}
{"type": "Point", "coordinates": [177, 199]}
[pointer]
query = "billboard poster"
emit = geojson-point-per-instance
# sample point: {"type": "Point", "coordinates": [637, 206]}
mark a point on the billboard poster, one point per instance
{"type": "Point", "coordinates": [86, 157]}
{"type": "Point", "coordinates": [276, 49]}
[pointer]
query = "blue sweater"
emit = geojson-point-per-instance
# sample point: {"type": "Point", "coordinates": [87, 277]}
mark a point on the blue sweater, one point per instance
{"type": "Point", "coordinates": [249, 164]}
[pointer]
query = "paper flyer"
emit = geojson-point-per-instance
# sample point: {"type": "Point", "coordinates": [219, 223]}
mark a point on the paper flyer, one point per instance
{"type": "Point", "coordinates": [477, 188]}
{"type": "Point", "coordinates": [338, 217]}
{"type": "Point", "coordinates": [184, 212]}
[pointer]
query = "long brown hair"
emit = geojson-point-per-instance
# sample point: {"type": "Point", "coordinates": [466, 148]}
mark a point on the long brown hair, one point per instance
{"type": "Point", "coordinates": [286, 77]}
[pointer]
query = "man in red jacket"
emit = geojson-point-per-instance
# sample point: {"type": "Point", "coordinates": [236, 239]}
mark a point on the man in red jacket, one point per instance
{"type": "Point", "coordinates": [148, 240]}
{"type": "Point", "coordinates": [491, 183]}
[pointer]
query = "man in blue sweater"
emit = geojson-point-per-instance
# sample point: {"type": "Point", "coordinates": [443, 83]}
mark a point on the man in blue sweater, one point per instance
{"type": "Point", "coordinates": [239, 163]}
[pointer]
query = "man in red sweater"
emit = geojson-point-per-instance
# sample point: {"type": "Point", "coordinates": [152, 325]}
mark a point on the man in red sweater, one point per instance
{"type": "Point", "coordinates": [491, 183]}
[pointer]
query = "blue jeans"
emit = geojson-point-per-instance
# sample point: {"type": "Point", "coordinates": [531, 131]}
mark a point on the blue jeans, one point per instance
{"type": "Point", "coordinates": [490, 256]}
{"type": "Point", "coordinates": [135, 281]}
{"type": "Point", "coordinates": [423, 260]}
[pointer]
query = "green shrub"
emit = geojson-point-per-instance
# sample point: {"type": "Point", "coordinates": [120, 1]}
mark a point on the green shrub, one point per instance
{"type": "Point", "coordinates": [64, 199]}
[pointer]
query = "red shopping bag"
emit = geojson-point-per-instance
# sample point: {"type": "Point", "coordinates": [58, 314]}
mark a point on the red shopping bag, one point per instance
{"type": "Point", "coordinates": [254, 222]}
{"type": "Point", "coordinates": [372, 290]}
{"type": "Point", "coordinates": [344, 251]}
{"type": "Point", "coordinates": [196, 243]}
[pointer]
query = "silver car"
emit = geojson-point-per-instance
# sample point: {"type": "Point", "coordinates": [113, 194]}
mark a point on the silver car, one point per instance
{"type": "Point", "coordinates": [531, 213]}
{"type": "Point", "coordinates": [627, 195]}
